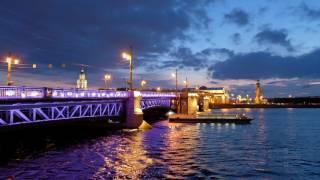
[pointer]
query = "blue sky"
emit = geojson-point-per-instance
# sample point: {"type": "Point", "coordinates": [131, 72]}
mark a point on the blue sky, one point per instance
{"type": "Point", "coordinates": [227, 43]}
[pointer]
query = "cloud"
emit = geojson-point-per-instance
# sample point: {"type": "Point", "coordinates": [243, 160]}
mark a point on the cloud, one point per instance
{"type": "Point", "coordinates": [315, 83]}
{"type": "Point", "coordinates": [274, 37]}
{"type": "Point", "coordinates": [312, 14]}
{"type": "Point", "coordinates": [238, 17]}
{"type": "Point", "coordinates": [184, 58]}
{"type": "Point", "coordinates": [236, 38]}
{"type": "Point", "coordinates": [95, 33]}
{"type": "Point", "coordinates": [263, 65]}
{"type": "Point", "coordinates": [263, 10]}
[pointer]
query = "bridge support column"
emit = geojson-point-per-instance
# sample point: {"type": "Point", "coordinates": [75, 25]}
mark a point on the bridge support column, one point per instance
{"type": "Point", "coordinates": [188, 103]}
{"type": "Point", "coordinates": [134, 114]}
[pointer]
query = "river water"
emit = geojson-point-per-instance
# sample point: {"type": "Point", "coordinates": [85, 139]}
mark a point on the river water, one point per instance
{"type": "Point", "coordinates": [279, 143]}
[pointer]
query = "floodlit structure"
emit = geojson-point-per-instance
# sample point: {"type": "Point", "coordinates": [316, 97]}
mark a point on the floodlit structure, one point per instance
{"type": "Point", "coordinates": [218, 95]}
{"type": "Point", "coordinates": [258, 98]}
{"type": "Point", "coordinates": [82, 83]}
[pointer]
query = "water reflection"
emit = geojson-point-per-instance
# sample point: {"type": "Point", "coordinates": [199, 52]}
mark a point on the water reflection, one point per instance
{"type": "Point", "coordinates": [181, 141]}
{"type": "Point", "coordinates": [128, 158]}
{"type": "Point", "coordinates": [278, 144]}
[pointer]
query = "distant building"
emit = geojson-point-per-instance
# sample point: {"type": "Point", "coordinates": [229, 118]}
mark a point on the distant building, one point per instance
{"type": "Point", "coordinates": [218, 95]}
{"type": "Point", "coordinates": [82, 82]}
{"type": "Point", "coordinates": [258, 98]}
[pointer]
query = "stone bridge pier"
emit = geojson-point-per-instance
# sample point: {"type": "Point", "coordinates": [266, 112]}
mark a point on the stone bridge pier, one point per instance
{"type": "Point", "coordinates": [188, 103]}
{"type": "Point", "coordinates": [191, 103]}
{"type": "Point", "coordinates": [138, 101]}
{"type": "Point", "coordinates": [134, 114]}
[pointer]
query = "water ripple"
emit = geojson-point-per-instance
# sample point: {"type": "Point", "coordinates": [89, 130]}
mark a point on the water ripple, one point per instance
{"type": "Point", "coordinates": [276, 145]}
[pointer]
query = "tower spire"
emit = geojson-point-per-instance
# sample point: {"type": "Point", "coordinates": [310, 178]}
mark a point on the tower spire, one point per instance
{"type": "Point", "coordinates": [257, 99]}
{"type": "Point", "coordinates": [82, 82]}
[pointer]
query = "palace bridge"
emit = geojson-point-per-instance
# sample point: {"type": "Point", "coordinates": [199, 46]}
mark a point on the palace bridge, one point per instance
{"type": "Point", "coordinates": [29, 105]}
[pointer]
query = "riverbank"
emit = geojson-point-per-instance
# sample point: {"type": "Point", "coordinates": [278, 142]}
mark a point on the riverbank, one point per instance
{"type": "Point", "coordinates": [231, 106]}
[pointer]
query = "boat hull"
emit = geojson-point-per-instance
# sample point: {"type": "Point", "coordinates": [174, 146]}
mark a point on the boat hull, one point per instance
{"type": "Point", "coordinates": [208, 120]}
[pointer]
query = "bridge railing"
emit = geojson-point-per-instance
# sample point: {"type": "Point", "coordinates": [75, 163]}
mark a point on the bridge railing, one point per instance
{"type": "Point", "coordinates": [21, 92]}
{"type": "Point", "coordinates": [76, 93]}
{"type": "Point", "coordinates": [16, 92]}
{"type": "Point", "coordinates": [151, 94]}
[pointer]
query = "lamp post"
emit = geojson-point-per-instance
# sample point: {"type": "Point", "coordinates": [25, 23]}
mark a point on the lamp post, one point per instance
{"type": "Point", "coordinates": [107, 77]}
{"type": "Point", "coordinates": [177, 100]}
{"type": "Point", "coordinates": [10, 60]}
{"type": "Point", "coordinates": [129, 57]}
{"type": "Point", "coordinates": [186, 83]}
{"type": "Point", "coordinates": [175, 75]}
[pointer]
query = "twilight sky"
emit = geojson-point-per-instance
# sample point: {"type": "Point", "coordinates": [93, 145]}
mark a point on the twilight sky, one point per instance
{"type": "Point", "coordinates": [227, 43]}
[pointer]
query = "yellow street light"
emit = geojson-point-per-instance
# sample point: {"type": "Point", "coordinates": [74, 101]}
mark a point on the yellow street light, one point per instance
{"type": "Point", "coordinates": [126, 56]}
{"type": "Point", "coordinates": [107, 77]}
{"type": "Point", "coordinates": [142, 83]}
{"type": "Point", "coordinates": [129, 57]}
{"type": "Point", "coordinates": [16, 61]}
{"type": "Point", "coordinates": [158, 89]}
{"type": "Point", "coordinates": [175, 75]}
{"type": "Point", "coordinates": [186, 83]}
{"type": "Point", "coordinates": [10, 60]}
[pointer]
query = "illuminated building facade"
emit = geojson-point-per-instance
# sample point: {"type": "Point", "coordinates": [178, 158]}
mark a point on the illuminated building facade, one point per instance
{"type": "Point", "coordinates": [218, 95]}
{"type": "Point", "coordinates": [82, 82]}
{"type": "Point", "coordinates": [258, 98]}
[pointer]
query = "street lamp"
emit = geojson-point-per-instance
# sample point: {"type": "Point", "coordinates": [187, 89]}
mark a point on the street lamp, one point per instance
{"type": "Point", "coordinates": [142, 83]}
{"type": "Point", "coordinates": [107, 77]}
{"type": "Point", "coordinates": [176, 102]}
{"type": "Point", "coordinates": [10, 60]}
{"type": "Point", "coordinates": [186, 83]}
{"type": "Point", "coordinates": [159, 89]}
{"type": "Point", "coordinates": [175, 75]}
{"type": "Point", "coordinates": [129, 56]}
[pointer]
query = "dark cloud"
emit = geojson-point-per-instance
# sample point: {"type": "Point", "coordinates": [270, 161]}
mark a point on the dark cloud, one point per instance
{"type": "Point", "coordinates": [184, 58]}
{"type": "Point", "coordinates": [262, 65]}
{"type": "Point", "coordinates": [236, 38]}
{"type": "Point", "coordinates": [81, 31]}
{"type": "Point", "coordinates": [263, 10]}
{"type": "Point", "coordinates": [238, 17]}
{"type": "Point", "coordinates": [218, 51]}
{"type": "Point", "coordinates": [274, 37]}
{"type": "Point", "coordinates": [312, 14]}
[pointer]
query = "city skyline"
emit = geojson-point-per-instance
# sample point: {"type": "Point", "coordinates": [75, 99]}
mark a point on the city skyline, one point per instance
{"type": "Point", "coordinates": [212, 43]}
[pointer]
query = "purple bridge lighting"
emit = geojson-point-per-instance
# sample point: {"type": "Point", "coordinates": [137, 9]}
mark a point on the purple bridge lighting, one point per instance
{"type": "Point", "coordinates": [76, 104]}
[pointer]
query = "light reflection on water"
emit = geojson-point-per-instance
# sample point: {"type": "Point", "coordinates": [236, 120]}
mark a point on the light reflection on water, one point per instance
{"type": "Point", "coordinates": [280, 143]}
